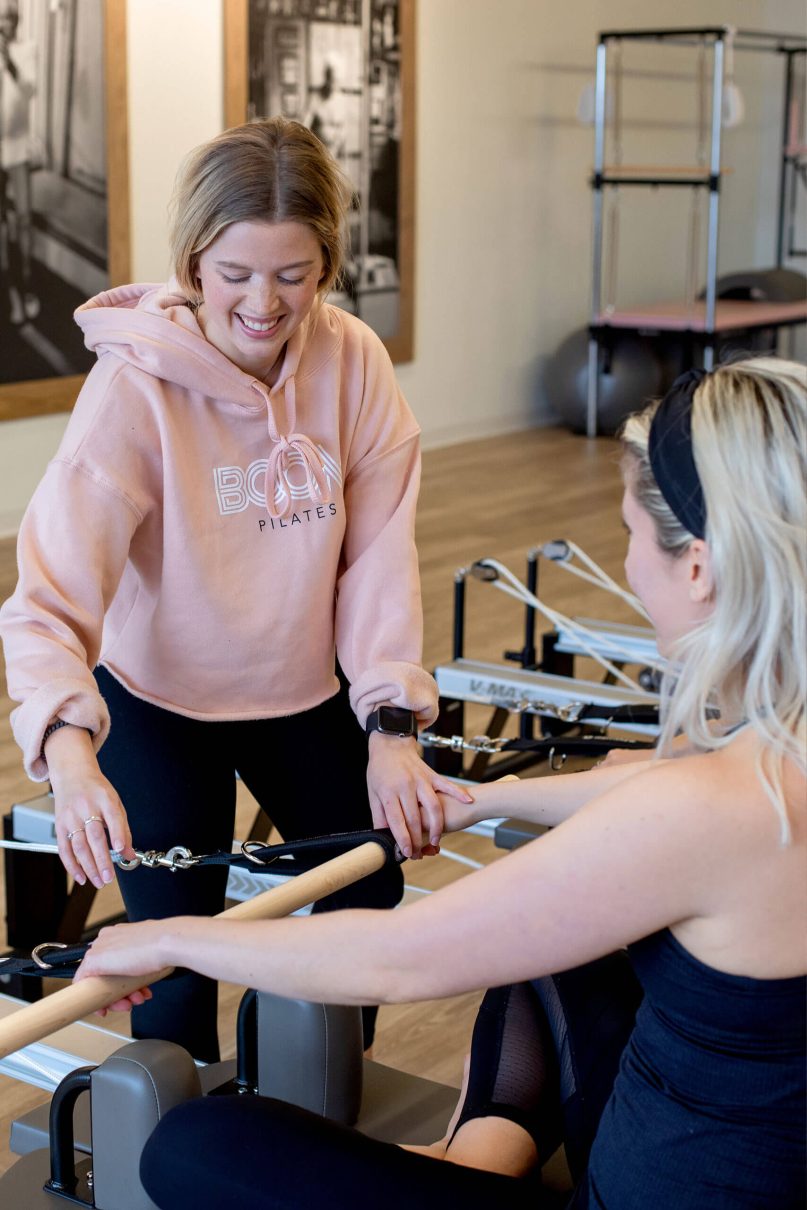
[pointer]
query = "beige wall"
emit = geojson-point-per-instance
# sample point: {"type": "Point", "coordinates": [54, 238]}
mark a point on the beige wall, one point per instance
{"type": "Point", "coordinates": [503, 207]}
{"type": "Point", "coordinates": [175, 101]}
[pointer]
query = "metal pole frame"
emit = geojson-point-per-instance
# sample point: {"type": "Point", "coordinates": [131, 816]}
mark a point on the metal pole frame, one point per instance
{"type": "Point", "coordinates": [596, 271]}
{"type": "Point", "coordinates": [714, 200]}
{"type": "Point", "coordinates": [783, 168]}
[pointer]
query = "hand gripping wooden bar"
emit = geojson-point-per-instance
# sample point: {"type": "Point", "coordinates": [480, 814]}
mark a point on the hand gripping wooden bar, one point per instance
{"type": "Point", "coordinates": [63, 1007]}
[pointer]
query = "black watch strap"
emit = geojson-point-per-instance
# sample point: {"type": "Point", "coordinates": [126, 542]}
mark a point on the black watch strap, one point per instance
{"type": "Point", "coordinates": [392, 720]}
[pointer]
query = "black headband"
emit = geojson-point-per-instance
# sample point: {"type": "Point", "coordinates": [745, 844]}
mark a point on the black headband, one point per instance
{"type": "Point", "coordinates": [670, 452]}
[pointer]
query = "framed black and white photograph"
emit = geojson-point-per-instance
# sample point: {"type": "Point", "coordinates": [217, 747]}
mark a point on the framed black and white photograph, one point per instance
{"type": "Point", "coordinates": [63, 190]}
{"type": "Point", "coordinates": [346, 69]}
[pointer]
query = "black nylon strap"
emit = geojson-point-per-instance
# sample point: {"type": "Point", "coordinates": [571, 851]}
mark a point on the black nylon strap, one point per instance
{"type": "Point", "coordinates": [297, 857]}
{"type": "Point", "coordinates": [574, 746]}
{"type": "Point", "coordinates": [61, 963]}
{"type": "Point", "coordinates": [301, 855]}
{"type": "Point", "coordinates": [623, 714]}
{"type": "Point", "coordinates": [65, 964]}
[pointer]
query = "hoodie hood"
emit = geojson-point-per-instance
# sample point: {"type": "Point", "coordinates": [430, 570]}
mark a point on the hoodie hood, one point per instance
{"type": "Point", "coordinates": [153, 328]}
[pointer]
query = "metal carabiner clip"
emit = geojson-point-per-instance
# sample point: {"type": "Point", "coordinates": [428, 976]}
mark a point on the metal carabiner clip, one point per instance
{"type": "Point", "coordinates": [126, 863]}
{"type": "Point", "coordinates": [178, 858]}
{"type": "Point", "coordinates": [486, 745]}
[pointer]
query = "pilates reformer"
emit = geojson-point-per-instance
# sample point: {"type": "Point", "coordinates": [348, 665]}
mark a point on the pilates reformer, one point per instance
{"type": "Point", "coordinates": [86, 1149]}
{"type": "Point", "coordinates": [41, 903]}
{"type": "Point", "coordinates": [574, 715]}
{"type": "Point", "coordinates": [283, 1045]}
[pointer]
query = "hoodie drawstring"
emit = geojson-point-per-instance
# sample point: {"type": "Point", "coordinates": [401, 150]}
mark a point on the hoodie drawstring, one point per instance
{"type": "Point", "coordinates": [288, 451]}
{"type": "Point", "coordinates": [278, 487]}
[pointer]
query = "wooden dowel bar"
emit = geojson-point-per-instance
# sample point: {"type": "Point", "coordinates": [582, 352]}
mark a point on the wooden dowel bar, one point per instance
{"type": "Point", "coordinates": [62, 1008]}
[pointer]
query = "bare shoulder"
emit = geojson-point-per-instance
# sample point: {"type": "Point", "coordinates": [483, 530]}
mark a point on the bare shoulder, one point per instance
{"type": "Point", "coordinates": [684, 787]}
{"type": "Point", "coordinates": [713, 803]}
{"type": "Point", "coordinates": [721, 779]}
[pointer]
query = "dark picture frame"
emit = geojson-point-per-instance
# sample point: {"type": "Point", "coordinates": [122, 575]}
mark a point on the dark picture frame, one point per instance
{"type": "Point", "coordinates": [72, 196]}
{"type": "Point", "coordinates": [347, 69]}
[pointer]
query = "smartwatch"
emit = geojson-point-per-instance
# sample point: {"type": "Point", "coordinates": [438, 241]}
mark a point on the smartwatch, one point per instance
{"type": "Point", "coordinates": [391, 720]}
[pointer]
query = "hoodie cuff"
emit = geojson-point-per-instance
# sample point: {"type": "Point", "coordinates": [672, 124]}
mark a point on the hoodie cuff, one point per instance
{"type": "Point", "coordinates": [395, 684]}
{"type": "Point", "coordinates": [68, 699]}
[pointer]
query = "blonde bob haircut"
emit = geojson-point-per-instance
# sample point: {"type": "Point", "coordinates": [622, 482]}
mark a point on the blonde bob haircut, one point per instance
{"type": "Point", "coordinates": [749, 442]}
{"type": "Point", "coordinates": [274, 170]}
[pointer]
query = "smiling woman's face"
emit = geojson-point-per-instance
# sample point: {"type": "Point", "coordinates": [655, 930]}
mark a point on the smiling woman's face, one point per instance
{"type": "Point", "coordinates": [259, 281]}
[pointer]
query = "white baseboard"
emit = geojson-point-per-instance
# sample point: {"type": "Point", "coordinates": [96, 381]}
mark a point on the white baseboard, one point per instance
{"type": "Point", "coordinates": [10, 523]}
{"type": "Point", "coordinates": [479, 430]}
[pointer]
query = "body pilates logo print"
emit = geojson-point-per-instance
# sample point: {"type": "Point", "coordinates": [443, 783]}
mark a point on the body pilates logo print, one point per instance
{"type": "Point", "coordinates": [236, 489]}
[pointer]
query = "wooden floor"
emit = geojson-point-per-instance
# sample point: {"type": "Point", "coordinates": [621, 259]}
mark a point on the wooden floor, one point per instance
{"type": "Point", "coordinates": [494, 498]}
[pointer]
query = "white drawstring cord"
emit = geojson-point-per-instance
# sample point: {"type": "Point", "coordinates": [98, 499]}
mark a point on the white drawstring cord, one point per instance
{"type": "Point", "coordinates": [519, 592]}
{"type": "Point", "coordinates": [600, 578]}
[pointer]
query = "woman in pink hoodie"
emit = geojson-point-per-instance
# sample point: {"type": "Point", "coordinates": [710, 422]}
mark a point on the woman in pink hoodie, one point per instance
{"type": "Point", "coordinates": [231, 510]}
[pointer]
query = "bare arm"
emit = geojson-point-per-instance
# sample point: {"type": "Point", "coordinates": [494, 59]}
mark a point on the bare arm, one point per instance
{"type": "Point", "coordinates": [545, 800]}
{"type": "Point", "coordinates": [624, 866]}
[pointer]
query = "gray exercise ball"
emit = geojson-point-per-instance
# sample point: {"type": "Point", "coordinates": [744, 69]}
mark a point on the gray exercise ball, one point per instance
{"type": "Point", "coordinates": [630, 374]}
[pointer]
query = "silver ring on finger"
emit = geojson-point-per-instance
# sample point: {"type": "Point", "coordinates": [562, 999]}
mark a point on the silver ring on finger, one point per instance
{"type": "Point", "coordinates": [75, 832]}
{"type": "Point", "coordinates": [94, 819]}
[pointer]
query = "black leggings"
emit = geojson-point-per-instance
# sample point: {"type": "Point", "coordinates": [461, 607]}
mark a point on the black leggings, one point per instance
{"type": "Point", "coordinates": [252, 1152]}
{"type": "Point", "coordinates": [176, 779]}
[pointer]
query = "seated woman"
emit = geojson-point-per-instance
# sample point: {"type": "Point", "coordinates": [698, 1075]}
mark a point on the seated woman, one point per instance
{"type": "Point", "coordinates": [695, 863]}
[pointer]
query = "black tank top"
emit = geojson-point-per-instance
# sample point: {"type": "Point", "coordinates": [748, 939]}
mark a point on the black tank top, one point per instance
{"type": "Point", "coordinates": [708, 1109]}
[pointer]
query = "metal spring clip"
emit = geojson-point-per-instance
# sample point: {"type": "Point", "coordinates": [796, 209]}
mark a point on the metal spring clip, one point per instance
{"type": "Point", "coordinates": [458, 743]}
{"type": "Point", "coordinates": [568, 713]}
{"type": "Point", "coordinates": [177, 858]}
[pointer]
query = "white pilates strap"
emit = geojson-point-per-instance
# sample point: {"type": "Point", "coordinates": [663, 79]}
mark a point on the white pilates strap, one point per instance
{"type": "Point", "coordinates": [562, 552]}
{"type": "Point", "coordinates": [510, 584]}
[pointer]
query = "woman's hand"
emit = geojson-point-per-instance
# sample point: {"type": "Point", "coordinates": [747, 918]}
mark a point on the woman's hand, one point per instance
{"type": "Point", "coordinates": [404, 794]}
{"type": "Point", "coordinates": [89, 814]}
{"type": "Point", "coordinates": [125, 949]}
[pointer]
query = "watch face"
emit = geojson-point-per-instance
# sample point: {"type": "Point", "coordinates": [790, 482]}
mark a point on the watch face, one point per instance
{"type": "Point", "coordinates": [393, 718]}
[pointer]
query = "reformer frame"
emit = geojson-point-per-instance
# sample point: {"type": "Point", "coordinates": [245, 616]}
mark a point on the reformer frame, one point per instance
{"type": "Point", "coordinates": [546, 672]}
{"type": "Point", "coordinates": [307, 1054]}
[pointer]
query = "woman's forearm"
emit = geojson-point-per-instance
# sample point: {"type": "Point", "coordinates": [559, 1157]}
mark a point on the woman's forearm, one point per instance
{"type": "Point", "coordinates": [545, 800]}
{"type": "Point", "coordinates": [347, 957]}
{"type": "Point", "coordinates": [567, 898]}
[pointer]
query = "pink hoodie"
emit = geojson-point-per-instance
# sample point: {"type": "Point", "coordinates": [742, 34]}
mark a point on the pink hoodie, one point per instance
{"type": "Point", "coordinates": [210, 540]}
